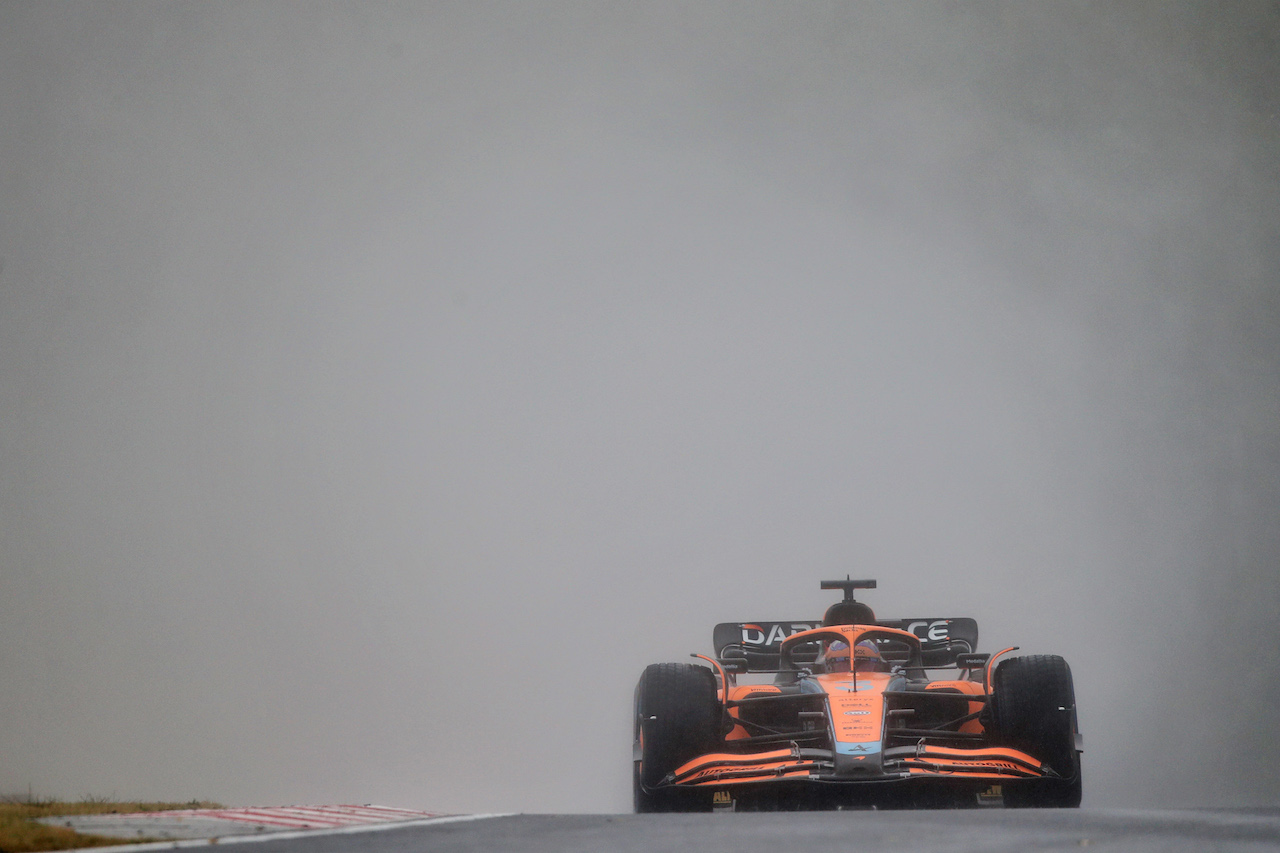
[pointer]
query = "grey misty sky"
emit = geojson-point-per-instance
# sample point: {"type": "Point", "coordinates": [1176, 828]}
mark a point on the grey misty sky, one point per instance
{"type": "Point", "coordinates": [383, 385]}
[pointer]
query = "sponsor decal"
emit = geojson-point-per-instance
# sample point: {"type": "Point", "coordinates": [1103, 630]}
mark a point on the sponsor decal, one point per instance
{"type": "Point", "coordinates": [758, 635]}
{"type": "Point", "coordinates": [936, 630]}
{"type": "Point", "coordinates": [718, 771]}
{"type": "Point", "coordinates": [971, 766]}
{"type": "Point", "coordinates": [721, 798]}
{"type": "Point", "coordinates": [864, 748]}
{"type": "Point", "coordinates": [860, 685]}
{"type": "Point", "coordinates": [856, 713]}
{"type": "Point", "coordinates": [995, 765]}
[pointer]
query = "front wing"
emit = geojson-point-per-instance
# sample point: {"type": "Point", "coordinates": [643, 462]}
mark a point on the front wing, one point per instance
{"type": "Point", "coordinates": [808, 778]}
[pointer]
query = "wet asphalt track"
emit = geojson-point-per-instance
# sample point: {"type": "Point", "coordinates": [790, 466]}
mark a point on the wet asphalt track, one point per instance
{"type": "Point", "coordinates": [918, 832]}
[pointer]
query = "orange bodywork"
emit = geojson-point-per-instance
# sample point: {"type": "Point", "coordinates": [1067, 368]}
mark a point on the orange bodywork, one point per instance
{"type": "Point", "coordinates": [720, 768]}
{"type": "Point", "coordinates": [986, 763]}
{"type": "Point", "coordinates": [972, 687]}
{"type": "Point", "coordinates": [858, 714]}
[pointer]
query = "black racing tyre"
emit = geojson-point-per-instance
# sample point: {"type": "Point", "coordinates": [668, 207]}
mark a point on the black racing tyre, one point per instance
{"type": "Point", "coordinates": [677, 718]}
{"type": "Point", "coordinates": [1034, 710]}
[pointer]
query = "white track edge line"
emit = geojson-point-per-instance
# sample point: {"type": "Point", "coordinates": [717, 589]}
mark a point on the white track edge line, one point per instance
{"type": "Point", "coordinates": [223, 840]}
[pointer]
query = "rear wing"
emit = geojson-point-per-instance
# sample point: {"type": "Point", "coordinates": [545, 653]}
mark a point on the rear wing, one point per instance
{"type": "Point", "coordinates": [940, 639]}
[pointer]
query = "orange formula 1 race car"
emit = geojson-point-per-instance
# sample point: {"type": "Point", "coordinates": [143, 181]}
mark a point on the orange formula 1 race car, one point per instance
{"type": "Point", "coordinates": [845, 714]}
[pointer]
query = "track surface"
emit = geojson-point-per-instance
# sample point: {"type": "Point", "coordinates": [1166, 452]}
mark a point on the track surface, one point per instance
{"type": "Point", "coordinates": [918, 832]}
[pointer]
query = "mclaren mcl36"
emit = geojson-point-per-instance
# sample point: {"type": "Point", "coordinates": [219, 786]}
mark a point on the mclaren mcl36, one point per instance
{"type": "Point", "coordinates": [848, 713]}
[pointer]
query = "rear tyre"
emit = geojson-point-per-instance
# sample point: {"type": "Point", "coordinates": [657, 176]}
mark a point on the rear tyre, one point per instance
{"type": "Point", "coordinates": [1034, 710]}
{"type": "Point", "coordinates": [677, 718]}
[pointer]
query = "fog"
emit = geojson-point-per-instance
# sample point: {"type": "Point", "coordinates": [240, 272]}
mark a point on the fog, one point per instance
{"type": "Point", "coordinates": [383, 385]}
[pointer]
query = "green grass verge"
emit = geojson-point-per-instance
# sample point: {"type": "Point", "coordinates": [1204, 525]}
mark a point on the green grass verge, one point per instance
{"type": "Point", "coordinates": [19, 832]}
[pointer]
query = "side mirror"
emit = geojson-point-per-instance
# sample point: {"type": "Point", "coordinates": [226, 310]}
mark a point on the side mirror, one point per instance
{"type": "Point", "coordinates": [734, 659]}
{"type": "Point", "coordinates": [972, 660]}
{"type": "Point", "coordinates": [806, 654]}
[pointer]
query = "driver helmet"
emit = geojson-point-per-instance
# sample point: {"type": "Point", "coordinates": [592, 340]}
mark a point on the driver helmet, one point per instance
{"type": "Point", "coordinates": [866, 657]}
{"type": "Point", "coordinates": [838, 656]}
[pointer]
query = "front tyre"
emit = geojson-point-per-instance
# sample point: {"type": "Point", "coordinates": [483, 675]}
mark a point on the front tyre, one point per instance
{"type": "Point", "coordinates": [677, 718]}
{"type": "Point", "coordinates": [1034, 710]}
